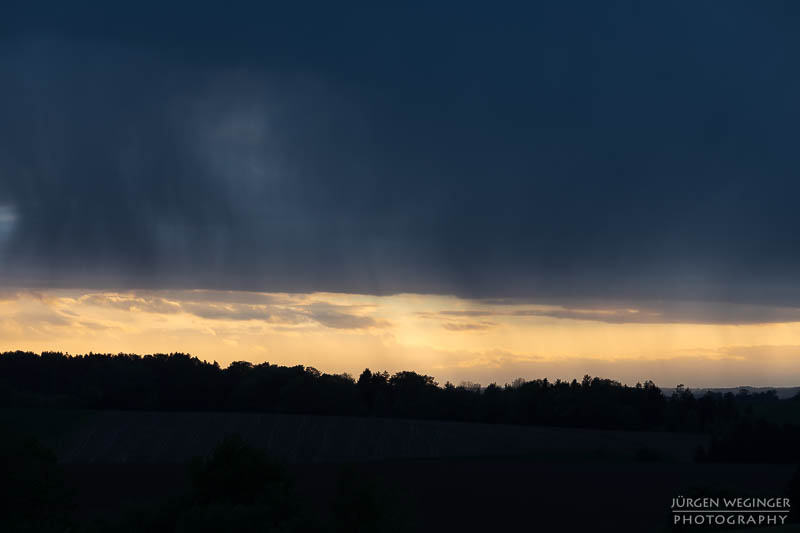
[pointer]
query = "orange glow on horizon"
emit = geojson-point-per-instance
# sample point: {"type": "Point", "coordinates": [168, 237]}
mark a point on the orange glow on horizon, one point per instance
{"type": "Point", "coordinates": [450, 338]}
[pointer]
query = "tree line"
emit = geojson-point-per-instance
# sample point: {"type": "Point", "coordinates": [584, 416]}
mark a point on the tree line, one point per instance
{"type": "Point", "coordinates": [739, 423]}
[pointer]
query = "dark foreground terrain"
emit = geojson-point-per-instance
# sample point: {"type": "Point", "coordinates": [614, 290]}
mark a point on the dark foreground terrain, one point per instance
{"type": "Point", "coordinates": [464, 494]}
{"type": "Point", "coordinates": [169, 443]}
{"type": "Point", "coordinates": [402, 475]}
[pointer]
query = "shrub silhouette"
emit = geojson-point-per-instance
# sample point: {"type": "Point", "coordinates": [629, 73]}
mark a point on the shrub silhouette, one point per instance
{"type": "Point", "coordinates": [239, 488]}
{"type": "Point", "coordinates": [239, 474]}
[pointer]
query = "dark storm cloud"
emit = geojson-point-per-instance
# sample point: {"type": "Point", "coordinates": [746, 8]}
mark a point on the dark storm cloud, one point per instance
{"type": "Point", "coordinates": [553, 150]}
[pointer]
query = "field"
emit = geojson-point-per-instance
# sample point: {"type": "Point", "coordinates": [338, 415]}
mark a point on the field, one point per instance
{"type": "Point", "coordinates": [173, 437]}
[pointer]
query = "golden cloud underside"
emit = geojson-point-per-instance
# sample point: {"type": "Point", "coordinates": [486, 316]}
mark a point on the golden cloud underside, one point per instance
{"type": "Point", "coordinates": [453, 339]}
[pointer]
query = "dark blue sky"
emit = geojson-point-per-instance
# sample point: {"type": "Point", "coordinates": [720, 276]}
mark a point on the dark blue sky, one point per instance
{"type": "Point", "coordinates": [561, 149]}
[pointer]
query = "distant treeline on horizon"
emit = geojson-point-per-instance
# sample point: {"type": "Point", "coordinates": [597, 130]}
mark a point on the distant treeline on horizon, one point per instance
{"type": "Point", "coordinates": [181, 382]}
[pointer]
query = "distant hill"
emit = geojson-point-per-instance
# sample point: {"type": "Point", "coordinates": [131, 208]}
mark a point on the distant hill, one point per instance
{"type": "Point", "coordinates": [782, 392]}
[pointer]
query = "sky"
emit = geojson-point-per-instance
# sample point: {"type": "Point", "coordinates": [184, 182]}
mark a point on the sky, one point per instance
{"type": "Point", "coordinates": [480, 192]}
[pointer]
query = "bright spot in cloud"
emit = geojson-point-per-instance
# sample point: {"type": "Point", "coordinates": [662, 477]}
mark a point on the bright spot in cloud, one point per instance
{"type": "Point", "coordinates": [8, 219]}
{"type": "Point", "coordinates": [8, 215]}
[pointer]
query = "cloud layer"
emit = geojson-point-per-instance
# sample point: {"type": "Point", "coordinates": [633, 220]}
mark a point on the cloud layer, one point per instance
{"type": "Point", "coordinates": [602, 151]}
